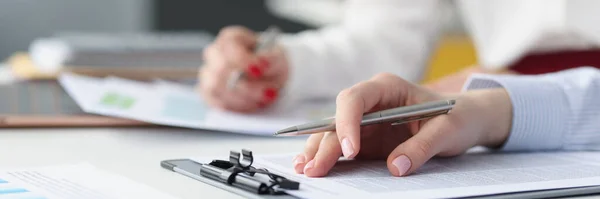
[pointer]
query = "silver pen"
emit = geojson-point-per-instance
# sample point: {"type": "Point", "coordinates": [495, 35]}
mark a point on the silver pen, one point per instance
{"type": "Point", "coordinates": [396, 116]}
{"type": "Point", "coordinates": [265, 42]}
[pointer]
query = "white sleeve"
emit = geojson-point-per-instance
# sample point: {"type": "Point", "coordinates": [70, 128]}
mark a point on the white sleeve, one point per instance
{"type": "Point", "coordinates": [555, 111]}
{"type": "Point", "coordinates": [375, 36]}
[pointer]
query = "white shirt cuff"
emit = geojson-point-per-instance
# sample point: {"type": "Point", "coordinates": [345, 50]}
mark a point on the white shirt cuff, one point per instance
{"type": "Point", "coordinates": [540, 110]}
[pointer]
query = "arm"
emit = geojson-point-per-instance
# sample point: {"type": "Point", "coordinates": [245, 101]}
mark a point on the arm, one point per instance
{"type": "Point", "coordinates": [557, 111]}
{"type": "Point", "coordinates": [374, 36]}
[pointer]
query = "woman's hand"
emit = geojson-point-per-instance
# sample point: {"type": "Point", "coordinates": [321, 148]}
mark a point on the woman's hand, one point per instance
{"type": "Point", "coordinates": [233, 51]}
{"type": "Point", "coordinates": [481, 117]}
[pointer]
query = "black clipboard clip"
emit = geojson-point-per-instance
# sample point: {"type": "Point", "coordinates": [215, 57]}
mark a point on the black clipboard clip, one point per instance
{"type": "Point", "coordinates": [241, 173]}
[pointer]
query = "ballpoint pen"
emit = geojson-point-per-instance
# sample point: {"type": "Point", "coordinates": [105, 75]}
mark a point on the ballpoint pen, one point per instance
{"type": "Point", "coordinates": [397, 116]}
{"type": "Point", "coordinates": [265, 42]}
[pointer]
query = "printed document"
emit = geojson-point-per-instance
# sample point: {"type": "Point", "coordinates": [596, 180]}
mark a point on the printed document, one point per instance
{"type": "Point", "coordinates": [473, 174]}
{"type": "Point", "coordinates": [71, 182]}
{"type": "Point", "coordinates": [174, 104]}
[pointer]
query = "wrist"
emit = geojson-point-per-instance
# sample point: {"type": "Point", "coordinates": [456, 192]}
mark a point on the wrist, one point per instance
{"type": "Point", "coordinates": [496, 115]}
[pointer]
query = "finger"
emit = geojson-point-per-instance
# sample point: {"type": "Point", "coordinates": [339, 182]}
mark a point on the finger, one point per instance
{"type": "Point", "coordinates": [215, 93]}
{"type": "Point", "coordinates": [209, 86]}
{"type": "Point", "coordinates": [212, 101]}
{"type": "Point", "coordinates": [239, 56]}
{"type": "Point", "coordinates": [261, 93]}
{"type": "Point", "coordinates": [216, 65]}
{"type": "Point", "coordinates": [237, 43]}
{"type": "Point", "coordinates": [271, 62]}
{"type": "Point", "coordinates": [312, 145]}
{"type": "Point", "coordinates": [234, 102]}
{"type": "Point", "coordinates": [239, 34]}
{"type": "Point", "coordinates": [328, 154]}
{"type": "Point", "coordinates": [352, 103]}
{"type": "Point", "coordinates": [414, 152]}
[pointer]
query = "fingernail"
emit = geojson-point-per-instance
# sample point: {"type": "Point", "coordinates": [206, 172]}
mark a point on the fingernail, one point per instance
{"type": "Point", "coordinates": [347, 148]}
{"type": "Point", "coordinates": [254, 70]}
{"type": "Point", "coordinates": [299, 159]}
{"type": "Point", "coordinates": [402, 163]}
{"type": "Point", "coordinates": [309, 165]}
{"type": "Point", "coordinates": [263, 63]}
{"type": "Point", "coordinates": [270, 94]}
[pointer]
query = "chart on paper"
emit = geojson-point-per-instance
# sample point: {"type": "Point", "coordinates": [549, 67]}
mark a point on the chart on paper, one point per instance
{"type": "Point", "coordinates": [71, 182]}
{"type": "Point", "coordinates": [174, 104]}
{"type": "Point", "coordinates": [12, 190]}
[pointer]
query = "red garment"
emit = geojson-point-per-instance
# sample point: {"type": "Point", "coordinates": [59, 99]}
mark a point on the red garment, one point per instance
{"type": "Point", "coordinates": [556, 61]}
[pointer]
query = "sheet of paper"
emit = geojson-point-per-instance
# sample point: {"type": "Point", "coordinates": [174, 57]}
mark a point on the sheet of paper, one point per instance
{"type": "Point", "coordinates": [71, 182]}
{"type": "Point", "coordinates": [174, 104]}
{"type": "Point", "coordinates": [468, 175]}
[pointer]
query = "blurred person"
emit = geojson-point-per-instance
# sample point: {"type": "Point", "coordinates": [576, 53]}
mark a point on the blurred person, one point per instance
{"type": "Point", "coordinates": [398, 36]}
{"type": "Point", "coordinates": [550, 112]}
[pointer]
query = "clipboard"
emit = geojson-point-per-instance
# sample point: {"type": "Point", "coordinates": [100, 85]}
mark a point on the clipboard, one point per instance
{"type": "Point", "coordinates": [192, 169]}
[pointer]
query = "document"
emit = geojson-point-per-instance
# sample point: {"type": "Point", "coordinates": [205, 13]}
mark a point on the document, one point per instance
{"type": "Point", "coordinates": [174, 104]}
{"type": "Point", "coordinates": [474, 174]}
{"type": "Point", "coordinates": [71, 182]}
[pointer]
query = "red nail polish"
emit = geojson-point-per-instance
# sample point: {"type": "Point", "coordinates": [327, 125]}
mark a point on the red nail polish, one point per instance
{"type": "Point", "coordinates": [270, 94]}
{"type": "Point", "coordinates": [263, 63]}
{"type": "Point", "coordinates": [254, 71]}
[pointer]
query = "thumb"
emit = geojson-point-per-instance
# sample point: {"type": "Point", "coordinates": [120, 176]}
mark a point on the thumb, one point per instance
{"type": "Point", "coordinates": [414, 152]}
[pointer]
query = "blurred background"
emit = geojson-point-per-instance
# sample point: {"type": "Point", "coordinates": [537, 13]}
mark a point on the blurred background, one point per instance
{"type": "Point", "coordinates": [25, 20]}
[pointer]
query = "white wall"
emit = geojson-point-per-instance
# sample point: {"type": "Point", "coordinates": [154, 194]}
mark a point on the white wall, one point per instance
{"type": "Point", "coordinates": [23, 20]}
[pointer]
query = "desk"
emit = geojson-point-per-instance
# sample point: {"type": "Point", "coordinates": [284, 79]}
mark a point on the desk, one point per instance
{"type": "Point", "coordinates": [134, 152]}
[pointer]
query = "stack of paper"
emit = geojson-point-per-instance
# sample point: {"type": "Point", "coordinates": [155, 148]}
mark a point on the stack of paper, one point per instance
{"type": "Point", "coordinates": [473, 174]}
{"type": "Point", "coordinates": [167, 103]}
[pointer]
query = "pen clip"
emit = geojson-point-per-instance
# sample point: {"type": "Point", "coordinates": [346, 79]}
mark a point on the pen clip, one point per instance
{"type": "Point", "coordinates": [420, 117]}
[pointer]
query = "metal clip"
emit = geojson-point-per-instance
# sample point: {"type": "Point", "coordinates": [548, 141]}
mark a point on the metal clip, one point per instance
{"type": "Point", "coordinates": [420, 117]}
{"type": "Point", "coordinates": [248, 159]}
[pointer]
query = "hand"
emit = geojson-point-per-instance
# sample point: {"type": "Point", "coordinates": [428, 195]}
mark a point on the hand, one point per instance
{"type": "Point", "coordinates": [453, 83]}
{"type": "Point", "coordinates": [233, 50]}
{"type": "Point", "coordinates": [480, 117]}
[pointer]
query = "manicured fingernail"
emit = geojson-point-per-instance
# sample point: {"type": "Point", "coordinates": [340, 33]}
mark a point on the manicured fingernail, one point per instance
{"type": "Point", "coordinates": [263, 63]}
{"type": "Point", "coordinates": [270, 94]}
{"type": "Point", "coordinates": [309, 165]}
{"type": "Point", "coordinates": [254, 70]}
{"type": "Point", "coordinates": [402, 163]}
{"type": "Point", "coordinates": [299, 159]}
{"type": "Point", "coordinates": [347, 148]}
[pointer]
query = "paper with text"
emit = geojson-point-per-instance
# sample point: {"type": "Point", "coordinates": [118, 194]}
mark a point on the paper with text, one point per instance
{"type": "Point", "coordinates": [71, 182]}
{"type": "Point", "coordinates": [467, 175]}
{"type": "Point", "coordinates": [173, 104]}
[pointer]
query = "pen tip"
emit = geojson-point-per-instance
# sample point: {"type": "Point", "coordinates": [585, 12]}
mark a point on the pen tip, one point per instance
{"type": "Point", "coordinates": [286, 130]}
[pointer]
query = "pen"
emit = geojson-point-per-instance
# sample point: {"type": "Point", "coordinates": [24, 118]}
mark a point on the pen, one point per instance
{"type": "Point", "coordinates": [398, 115]}
{"type": "Point", "coordinates": [265, 42]}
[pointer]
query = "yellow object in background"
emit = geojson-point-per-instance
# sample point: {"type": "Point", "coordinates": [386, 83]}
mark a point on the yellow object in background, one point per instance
{"type": "Point", "coordinates": [454, 53]}
{"type": "Point", "coordinates": [22, 66]}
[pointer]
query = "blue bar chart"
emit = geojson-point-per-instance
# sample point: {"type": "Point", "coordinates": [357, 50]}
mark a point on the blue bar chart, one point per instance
{"type": "Point", "coordinates": [10, 190]}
